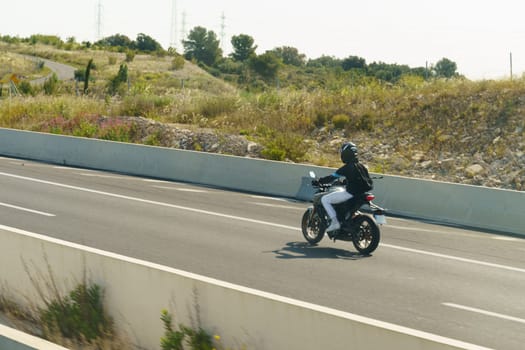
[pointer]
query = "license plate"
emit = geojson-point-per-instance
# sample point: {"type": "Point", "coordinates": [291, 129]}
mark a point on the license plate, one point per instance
{"type": "Point", "coordinates": [380, 219]}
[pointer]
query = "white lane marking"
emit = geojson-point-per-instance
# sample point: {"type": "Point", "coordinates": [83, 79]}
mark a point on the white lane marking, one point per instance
{"type": "Point", "coordinates": [277, 206]}
{"type": "Point", "coordinates": [510, 239]}
{"type": "Point", "coordinates": [156, 181]}
{"type": "Point", "coordinates": [240, 218]}
{"type": "Point", "coordinates": [63, 167]}
{"type": "Point", "coordinates": [181, 189]}
{"type": "Point", "coordinates": [456, 258]}
{"type": "Point", "coordinates": [485, 312]}
{"type": "Point", "coordinates": [26, 209]}
{"type": "Point", "coordinates": [417, 229]}
{"type": "Point", "coordinates": [451, 231]}
{"type": "Point", "coordinates": [270, 198]}
{"type": "Point", "coordinates": [104, 176]}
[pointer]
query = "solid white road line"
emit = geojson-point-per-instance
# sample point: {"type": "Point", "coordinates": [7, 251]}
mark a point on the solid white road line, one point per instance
{"type": "Point", "coordinates": [485, 312]}
{"type": "Point", "coordinates": [277, 206]}
{"type": "Point", "coordinates": [181, 189]}
{"type": "Point", "coordinates": [26, 209]}
{"type": "Point", "coordinates": [451, 257]}
{"type": "Point", "coordinates": [269, 198]}
{"type": "Point", "coordinates": [104, 176]}
{"type": "Point", "coordinates": [156, 181]}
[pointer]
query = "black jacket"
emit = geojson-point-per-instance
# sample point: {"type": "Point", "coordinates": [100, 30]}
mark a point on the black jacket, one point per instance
{"type": "Point", "coordinates": [354, 182]}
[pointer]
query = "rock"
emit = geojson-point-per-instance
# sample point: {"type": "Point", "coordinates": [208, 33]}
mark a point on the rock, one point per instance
{"type": "Point", "coordinates": [418, 156]}
{"type": "Point", "coordinates": [426, 164]}
{"type": "Point", "coordinates": [473, 170]}
{"type": "Point", "coordinates": [447, 164]}
{"type": "Point", "coordinates": [252, 147]}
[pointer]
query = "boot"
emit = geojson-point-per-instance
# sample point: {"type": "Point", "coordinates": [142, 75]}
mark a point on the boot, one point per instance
{"type": "Point", "coordinates": [334, 225]}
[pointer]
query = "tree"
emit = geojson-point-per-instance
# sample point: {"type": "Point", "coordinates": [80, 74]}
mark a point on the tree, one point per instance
{"type": "Point", "coordinates": [203, 46]}
{"type": "Point", "coordinates": [445, 68]}
{"type": "Point", "coordinates": [243, 47]}
{"type": "Point", "coordinates": [115, 84]}
{"type": "Point", "coordinates": [353, 62]}
{"type": "Point", "coordinates": [266, 65]}
{"type": "Point", "coordinates": [390, 72]}
{"type": "Point", "coordinates": [324, 61]}
{"type": "Point", "coordinates": [146, 43]}
{"type": "Point", "coordinates": [290, 55]}
{"type": "Point", "coordinates": [86, 76]}
{"type": "Point", "coordinates": [117, 40]}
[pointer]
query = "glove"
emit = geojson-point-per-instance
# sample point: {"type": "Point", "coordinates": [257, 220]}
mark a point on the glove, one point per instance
{"type": "Point", "coordinates": [315, 183]}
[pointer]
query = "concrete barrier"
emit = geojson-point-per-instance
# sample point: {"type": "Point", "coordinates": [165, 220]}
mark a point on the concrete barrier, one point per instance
{"type": "Point", "coordinates": [136, 291]}
{"type": "Point", "coordinates": [12, 339]}
{"type": "Point", "coordinates": [474, 206]}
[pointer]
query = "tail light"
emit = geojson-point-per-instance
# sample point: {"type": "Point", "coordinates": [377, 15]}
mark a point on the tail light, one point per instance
{"type": "Point", "coordinates": [370, 197]}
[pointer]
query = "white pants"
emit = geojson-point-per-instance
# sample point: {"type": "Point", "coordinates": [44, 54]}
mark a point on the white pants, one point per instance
{"type": "Point", "coordinates": [334, 198]}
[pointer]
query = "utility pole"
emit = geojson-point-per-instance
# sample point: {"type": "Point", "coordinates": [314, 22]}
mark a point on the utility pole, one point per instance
{"type": "Point", "coordinates": [223, 34]}
{"type": "Point", "coordinates": [99, 21]}
{"type": "Point", "coordinates": [183, 30]}
{"type": "Point", "coordinates": [511, 66]}
{"type": "Point", "coordinates": [173, 32]}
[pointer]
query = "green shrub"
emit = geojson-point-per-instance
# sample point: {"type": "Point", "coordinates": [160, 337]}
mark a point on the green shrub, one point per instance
{"type": "Point", "coordinates": [177, 63]}
{"type": "Point", "coordinates": [51, 85]}
{"type": "Point", "coordinates": [79, 316]}
{"type": "Point", "coordinates": [130, 55]}
{"type": "Point", "coordinates": [25, 88]}
{"type": "Point", "coordinates": [340, 121]}
{"type": "Point", "coordinates": [283, 146]}
{"type": "Point", "coordinates": [174, 339]}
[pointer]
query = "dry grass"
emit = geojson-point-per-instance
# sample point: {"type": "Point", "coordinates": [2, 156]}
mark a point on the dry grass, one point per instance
{"type": "Point", "coordinates": [393, 123]}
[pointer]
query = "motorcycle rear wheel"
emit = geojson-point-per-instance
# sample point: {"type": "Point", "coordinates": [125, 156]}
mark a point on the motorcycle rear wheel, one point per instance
{"type": "Point", "coordinates": [312, 227]}
{"type": "Point", "coordinates": [366, 236]}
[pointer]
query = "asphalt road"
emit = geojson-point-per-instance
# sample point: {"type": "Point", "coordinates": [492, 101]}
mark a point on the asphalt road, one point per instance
{"type": "Point", "coordinates": [63, 71]}
{"type": "Point", "coordinates": [453, 282]}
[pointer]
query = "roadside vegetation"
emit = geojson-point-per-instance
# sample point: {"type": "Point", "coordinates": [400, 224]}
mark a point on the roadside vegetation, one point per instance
{"type": "Point", "coordinates": [79, 319]}
{"type": "Point", "coordinates": [419, 122]}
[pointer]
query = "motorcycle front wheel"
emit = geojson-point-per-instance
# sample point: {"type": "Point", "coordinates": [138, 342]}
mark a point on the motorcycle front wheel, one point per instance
{"type": "Point", "coordinates": [312, 227]}
{"type": "Point", "coordinates": [366, 235]}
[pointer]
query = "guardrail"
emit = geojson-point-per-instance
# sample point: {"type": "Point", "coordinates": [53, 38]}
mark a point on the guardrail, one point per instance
{"type": "Point", "coordinates": [473, 206]}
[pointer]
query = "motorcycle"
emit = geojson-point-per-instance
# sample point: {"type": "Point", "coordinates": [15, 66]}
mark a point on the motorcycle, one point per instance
{"type": "Point", "coordinates": [357, 227]}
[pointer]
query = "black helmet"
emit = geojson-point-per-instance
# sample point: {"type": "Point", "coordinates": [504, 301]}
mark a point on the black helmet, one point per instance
{"type": "Point", "coordinates": [348, 152]}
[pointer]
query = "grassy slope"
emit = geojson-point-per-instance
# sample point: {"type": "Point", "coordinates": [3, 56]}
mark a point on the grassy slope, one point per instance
{"type": "Point", "coordinates": [424, 129]}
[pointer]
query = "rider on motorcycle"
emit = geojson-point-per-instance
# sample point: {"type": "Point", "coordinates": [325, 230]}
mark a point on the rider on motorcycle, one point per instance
{"type": "Point", "coordinates": [353, 171]}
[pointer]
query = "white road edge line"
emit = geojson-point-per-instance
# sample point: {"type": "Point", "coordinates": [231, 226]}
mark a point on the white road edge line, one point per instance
{"type": "Point", "coordinates": [181, 189]}
{"type": "Point", "coordinates": [485, 312]}
{"type": "Point", "coordinates": [456, 258]}
{"type": "Point", "coordinates": [104, 176]}
{"type": "Point", "coordinates": [26, 209]}
{"type": "Point", "coordinates": [277, 206]}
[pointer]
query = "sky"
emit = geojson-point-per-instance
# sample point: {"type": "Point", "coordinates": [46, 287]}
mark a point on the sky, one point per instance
{"type": "Point", "coordinates": [484, 38]}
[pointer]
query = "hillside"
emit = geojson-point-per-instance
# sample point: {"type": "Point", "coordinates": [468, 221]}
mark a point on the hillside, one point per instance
{"type": "Point", "coordinates": [449, 130]}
